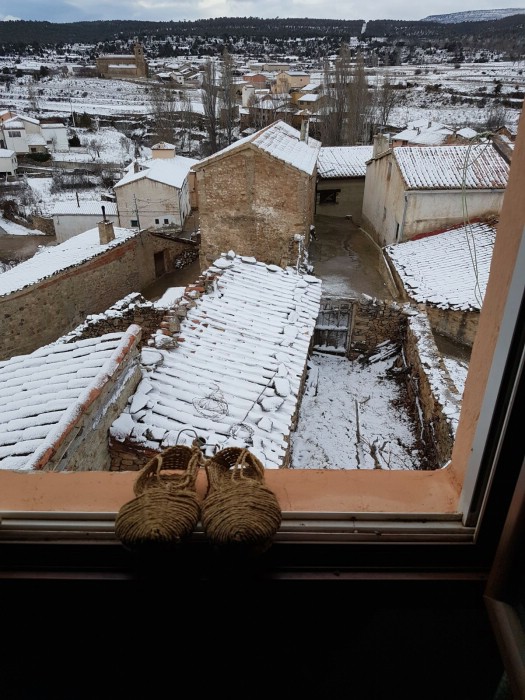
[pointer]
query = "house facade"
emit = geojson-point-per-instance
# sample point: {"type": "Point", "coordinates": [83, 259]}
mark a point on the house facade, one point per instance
{"type": "Point", "coordinates": [257, 196]}
{"type": "Point", "coordinates": [71, 218]}
{"type": "Point", "coordinates": [341, 174]}
{"type": "Point", "coordinates": [157, 193]}
{"type": "Point", "coordinates": [411, 190]}
{"type": "Point", "coordinates": [23, 134]}
{"type": "Point", "coordinates": [8, 162]}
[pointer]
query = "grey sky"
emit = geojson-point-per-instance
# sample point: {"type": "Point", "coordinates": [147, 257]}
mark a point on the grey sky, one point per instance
{"type": "Point", "coordinates": [166, 10]}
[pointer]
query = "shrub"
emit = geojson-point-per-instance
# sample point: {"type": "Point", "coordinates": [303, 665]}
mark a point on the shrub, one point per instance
{"type": "Point", "coordinates": [39, 157]}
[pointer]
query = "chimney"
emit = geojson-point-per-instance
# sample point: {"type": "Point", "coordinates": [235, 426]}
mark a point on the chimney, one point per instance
{"type": "Point", "coordinates": [106, 232]}
{"type": "Point", "coordinates": [163, 150]}
{"type": "Point", "coordinates": [135, 166]}
{"type": "Point", "coordinates": [381, 144]}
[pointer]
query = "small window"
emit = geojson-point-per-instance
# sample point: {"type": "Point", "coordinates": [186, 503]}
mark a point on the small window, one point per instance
{"type": "Point", "coordinates": [389, 171]}
{"type": "Point", "coordinates": [134, 222]}
{"type": "Point", "coordinates": [157, 221]}
{"type": "Point", "coordinates": [166, 221]}
{"type": "Point", "coordinates": [328, 196]}
{"type": "Point", "coordinates": [15, 134]}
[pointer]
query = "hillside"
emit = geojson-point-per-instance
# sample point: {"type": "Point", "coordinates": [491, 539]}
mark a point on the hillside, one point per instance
{"type": "Point", "coordinates": [474, 15]}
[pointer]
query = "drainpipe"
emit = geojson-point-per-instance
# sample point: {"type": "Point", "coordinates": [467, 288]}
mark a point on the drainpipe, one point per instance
{"type": "Point", "coordinates": [399, 236]}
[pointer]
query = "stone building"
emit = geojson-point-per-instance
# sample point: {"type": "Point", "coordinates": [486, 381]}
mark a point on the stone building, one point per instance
{"type": "Point", "coordinates": [123, 65]}
{"type": "Point", "coordinates": [257, 196]}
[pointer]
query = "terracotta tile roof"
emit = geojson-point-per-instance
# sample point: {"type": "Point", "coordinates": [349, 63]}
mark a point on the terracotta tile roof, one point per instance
{"type": "Point", "coordinates": [449, 167]}
{"type": "Point", "coordinates": [449, 270]}
{"type": "Point", "coordinates": [242, 353]}
{"type": "Point", "coordinates": [43, 392]}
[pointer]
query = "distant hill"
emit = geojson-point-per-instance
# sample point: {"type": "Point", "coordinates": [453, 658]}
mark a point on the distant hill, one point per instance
{"type": "Point", "coordinates": [474, 15]}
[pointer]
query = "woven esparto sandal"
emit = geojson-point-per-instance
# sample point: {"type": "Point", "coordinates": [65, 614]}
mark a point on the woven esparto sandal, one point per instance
{"type": "Point", "coordinates": [239, 513]}
{"type": "Point", "coordinates": [166, 508]}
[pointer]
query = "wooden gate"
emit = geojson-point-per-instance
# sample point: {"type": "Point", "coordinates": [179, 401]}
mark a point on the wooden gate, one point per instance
{"type": "Point", "coordinates": [332, 330]}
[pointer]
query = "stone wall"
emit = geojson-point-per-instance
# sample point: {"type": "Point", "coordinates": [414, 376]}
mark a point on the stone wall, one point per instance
{"type": "Point", "coordinates": [44, 224]}
{"type": "Point", "coordinates": [459, 326]}
{"type": "Point", "coordinates": [41, 313]}
{"type": "Point", "coordinates": [255, 205]}
{"type": "Point", "coordinates": [85, 447]}
{"type": "Point", "coordinates": [374, 321]}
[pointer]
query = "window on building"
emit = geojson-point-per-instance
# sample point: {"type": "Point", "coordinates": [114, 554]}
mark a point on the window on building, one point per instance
{"type": "Point", "coordinates": [389, 171]}
{"type": "Point", "coordinates": [134, 223]}
{"type": "Point", "coordinates": [15, 134]}
{"type": "Point", "coordinates": [157, 221]}
{"type": "Point", "coordinates": [328, 196]}
{"type": "Point", "coordinates": [166, 221]}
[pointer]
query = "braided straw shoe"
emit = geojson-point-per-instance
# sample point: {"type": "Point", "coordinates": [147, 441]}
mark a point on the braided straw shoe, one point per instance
{"type": "Point", "coordinates": [239, 513]}
{"type": "Point", "coordinates": [165, 509]}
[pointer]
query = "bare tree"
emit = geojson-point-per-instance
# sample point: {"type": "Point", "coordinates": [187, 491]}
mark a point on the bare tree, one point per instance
{"type": "Point", "coordinates": [187, 116]}
{"type": "Point", "coordinates": [348, 108]}
{"type": "Point", "coordinates": [209, 103]}
{"type": "Point", "coordinates": [228, 100]}
{"type": "Point", "coordinates": [386, 98]}
{"type": "Point", "coordinates": [164, 106]}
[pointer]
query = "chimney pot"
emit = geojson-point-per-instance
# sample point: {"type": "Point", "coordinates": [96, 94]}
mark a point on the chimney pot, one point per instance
{"type": "Point", "coordinates": [106, 232]}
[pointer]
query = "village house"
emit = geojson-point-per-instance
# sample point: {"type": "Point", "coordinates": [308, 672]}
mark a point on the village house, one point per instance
{"type": "Point", "coordinates": [71, 217]}
{"type": "Point", "coordinates": [287, 80]}
{"type": "Point", "coordinates": [8, 162]}
{"type": "Point", "coordinates": [341, 174]}
{"type": "Point", "coordinates": [123, 65]}
{"type": "Point", "coordinates": [257, 196]}
{"type": "Point", "coordinates": [425, 132]}
{"type": "Point", "coordinates": [23, 134]}
{"type": "Point", "coordinates": [411, 190]}
{"type": "Point", "coordinates": [157, 193]}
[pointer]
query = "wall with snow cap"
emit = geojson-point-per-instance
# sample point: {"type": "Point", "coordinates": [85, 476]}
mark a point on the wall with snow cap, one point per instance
{"type": "Point", "coordinates": [41, 312]}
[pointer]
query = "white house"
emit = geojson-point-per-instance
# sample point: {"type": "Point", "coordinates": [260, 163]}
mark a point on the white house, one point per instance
{"type": "Point", "coordinates": [8, 162]}
{"type": "Point", "coordinates": [73, 217]}
{"type": "Point", "coordinates": [24, 134]}
{"type": "Point", "coordinates": [157, 192]}
{"type": "Point", "coordinates": [411, 189]}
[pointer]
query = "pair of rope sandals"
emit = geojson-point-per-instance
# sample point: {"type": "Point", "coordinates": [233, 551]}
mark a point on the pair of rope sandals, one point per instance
{"type": "Point", "coordinates": [239, 512]}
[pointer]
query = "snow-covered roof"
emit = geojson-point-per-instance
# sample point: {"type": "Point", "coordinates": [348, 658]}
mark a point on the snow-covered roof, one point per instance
{"type": "Point", "coordinates": [169, 171]}
{"type": "Point", "coordinates": [310, 86]}
{"type": "Point", "coordinates": [92, 207]}
{"type": "Point", "coordinates": [43, 392]}
{"type": "Point", "coordinates": [35, 140]}
{"type": "Point", "coordinates": [279, 140]}
{"type": "Point", "coordinates": [449, 269]}
{"type": "Point", "coordinates": [308, 98]}
{"type": "Point", "coordinates": [343, 161]}
{"type": "Point", "coordinates": [51, 260]}
{"type": "Point", "coordinates": [467, 132]}
{"type": "Point", "coordinates": [6, 153]}
{"type": "Point", "coordinates": [23, 118]}
{"type": "Point", "coordinates": [452, 167]}
{"type": "Point", "coordinates": [236, 373]}
{"type": "Point", "coordinates": [431, 134]}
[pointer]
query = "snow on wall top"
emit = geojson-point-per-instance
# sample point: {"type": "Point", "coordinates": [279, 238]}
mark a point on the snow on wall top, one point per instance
{"type": "Point", "coordinates": [235, 377]}
{"type": "Point", "coordinates": [452, 167]}
{"type": "Point", "coordinates": [51, 260]}
{"type": "Point", "coordinates": [343, 161]}
{"type": "Point", "coordinates": [43, 392]}
{"type": "Point", "coordinates": [92, 207]}
{"type": "Point", "coordinates": [448, 270]}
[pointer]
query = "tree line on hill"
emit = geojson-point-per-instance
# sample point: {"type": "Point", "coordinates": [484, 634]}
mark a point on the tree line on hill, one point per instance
{"type": "Point", "coordinates": [506, 34]}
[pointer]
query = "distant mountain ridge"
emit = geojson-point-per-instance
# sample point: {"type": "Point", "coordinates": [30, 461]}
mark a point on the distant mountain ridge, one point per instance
{"type": "Point", "coordinates": [474, 15]}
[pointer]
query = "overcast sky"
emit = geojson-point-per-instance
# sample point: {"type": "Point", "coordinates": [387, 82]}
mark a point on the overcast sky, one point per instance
{"type": "Point", "coordinates": [166, 10]}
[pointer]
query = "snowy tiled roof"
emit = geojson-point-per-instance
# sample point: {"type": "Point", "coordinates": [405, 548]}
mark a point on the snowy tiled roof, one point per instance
{"type": "Point", "coordinates": [42, 393]}
{"type": "Point", "coordinates": [238, 369]}
{"type": "Point", "coordinates": [467, 133]}
{"type": "Point", "coordinates": [343, 161]}
{"type": "Point", "coordinates": [6, 153]}
{"type": "Point", "coordinates": [451, 167]}
{"type": "Point", "coordinates": [308, 98]}
{"type": "Point", "coordinates": [22, 117]}
{"type": "Point", "coordinates": [169, 171]}
{"type": "Point", "coordinates": [54, 259]}
{"type": "Point", "coordinates": [448, 270]}
{"type": "Point", "coordinates": [281, 141]}
{"type": "Point", "coordinates": [70, 207]}
{"type": "Point", "coordinates": [36, 140]}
